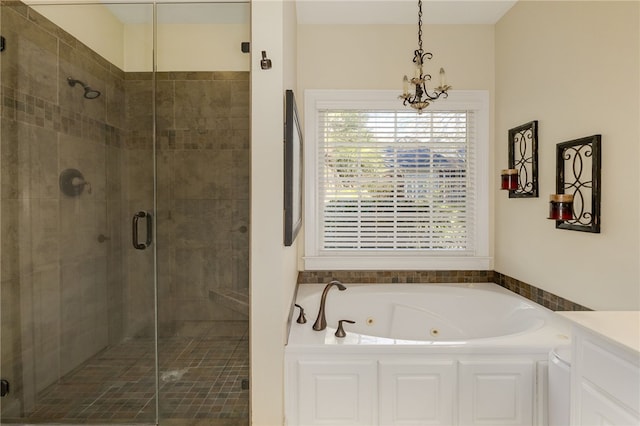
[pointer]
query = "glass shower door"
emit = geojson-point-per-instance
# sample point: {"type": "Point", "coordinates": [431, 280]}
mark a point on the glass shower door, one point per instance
{"type": "Point", "coordinates": [77, 166]}
{"type": "Point", "coordinates": [203, 212]}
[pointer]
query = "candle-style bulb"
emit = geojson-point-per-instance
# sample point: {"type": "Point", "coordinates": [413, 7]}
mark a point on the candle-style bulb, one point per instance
{"type": "Point", "coordinates": [405, 85]}
{"type": "Point", "coordinates": [443, 78]}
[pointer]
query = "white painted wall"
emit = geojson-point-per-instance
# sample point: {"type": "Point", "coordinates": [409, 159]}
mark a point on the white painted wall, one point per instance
{"type": "Point", "coordinates": [273, 266]}
{"type": "Point", "coordinates": [180, 47]}
{"type": "Point", "coordinates": [93, 24]}
{"type": "Point", "coordinates": [138, 48]}
{"type": "Point", "coordinates": [187, 47]}
{"type": "Point", "coordinates": [378, 56]}
{"type": "Point", "coordinates": [574, 67]}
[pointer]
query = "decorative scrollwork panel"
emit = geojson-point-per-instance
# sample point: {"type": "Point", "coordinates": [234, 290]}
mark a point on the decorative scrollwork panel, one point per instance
{"type": "Point", "coordinates": [523, 156]}
{"type": "Point", "coordinates": [578, 165]}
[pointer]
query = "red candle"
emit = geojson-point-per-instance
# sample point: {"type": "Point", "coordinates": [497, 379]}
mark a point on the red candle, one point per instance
{"type": "Point", "coordinates": [561, 207]}
{"type": "Point", "coordinates": [509, 179]}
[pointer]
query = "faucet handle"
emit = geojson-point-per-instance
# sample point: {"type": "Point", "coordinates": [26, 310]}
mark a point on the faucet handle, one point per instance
{"type": "Point", "coordinates": [301, 318]}
{"type": "Point", "coordinates": [340, 331]}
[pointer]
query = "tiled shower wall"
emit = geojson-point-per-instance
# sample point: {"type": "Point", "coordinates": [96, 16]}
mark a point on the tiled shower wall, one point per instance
{"type": "Point", "coordinates": [203, 198]}
{"type": "Point", "coordinates": [65, 294]}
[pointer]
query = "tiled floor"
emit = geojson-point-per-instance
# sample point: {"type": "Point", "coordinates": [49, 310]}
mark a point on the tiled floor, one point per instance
{"type": "Point", "coordinates": [202, 369]}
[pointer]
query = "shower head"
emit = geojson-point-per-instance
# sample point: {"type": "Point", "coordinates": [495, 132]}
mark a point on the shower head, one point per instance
{"type": "Point", "coordinates": [89, 93]}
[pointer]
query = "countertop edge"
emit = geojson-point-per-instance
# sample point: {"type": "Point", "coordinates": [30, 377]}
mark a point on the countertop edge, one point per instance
{"type": "Point", "coordinates": [620, 327]}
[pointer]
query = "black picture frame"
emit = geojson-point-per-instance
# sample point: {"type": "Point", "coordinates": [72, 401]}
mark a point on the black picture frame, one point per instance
{"type": "Point", "coordinates": [523, 156]}
{"type": "Point", "coordinates": [293, 173]}
{"type": "Point", "coordinates": [578, 164]}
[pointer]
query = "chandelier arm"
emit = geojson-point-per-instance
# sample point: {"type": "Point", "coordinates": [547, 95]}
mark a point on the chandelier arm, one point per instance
{"type": "Point", "coordinates": [434, 95]}
{"type": "Point", "coordinates": [419, 56]}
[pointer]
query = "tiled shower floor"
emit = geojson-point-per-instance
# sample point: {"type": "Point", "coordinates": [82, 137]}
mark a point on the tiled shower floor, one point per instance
{"type": "Point", "coordinates": [201, 382]}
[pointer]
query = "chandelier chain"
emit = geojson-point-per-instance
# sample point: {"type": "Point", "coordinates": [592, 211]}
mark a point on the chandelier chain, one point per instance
{"type": "Point", "coordinates": [420, 26]}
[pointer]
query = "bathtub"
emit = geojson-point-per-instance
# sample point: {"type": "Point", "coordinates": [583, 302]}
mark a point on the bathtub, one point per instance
{"type": "Point", "coordinates": [420, 354]}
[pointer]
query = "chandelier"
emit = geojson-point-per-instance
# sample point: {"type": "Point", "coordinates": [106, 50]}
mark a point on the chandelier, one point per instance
{"type": "Point", "coordinates": [422, 96]}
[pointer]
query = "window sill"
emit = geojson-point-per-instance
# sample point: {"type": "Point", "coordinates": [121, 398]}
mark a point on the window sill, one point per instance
{"type": "Point", "coordinates": [414, 263]}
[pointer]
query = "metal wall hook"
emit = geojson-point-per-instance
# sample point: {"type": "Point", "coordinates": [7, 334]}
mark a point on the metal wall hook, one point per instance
{"type": "Point", "coordinates": [265, 63]}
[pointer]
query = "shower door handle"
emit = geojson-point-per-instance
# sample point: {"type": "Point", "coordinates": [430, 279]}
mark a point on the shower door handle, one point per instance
{"type": "Point", "coordinates": [136, 217]}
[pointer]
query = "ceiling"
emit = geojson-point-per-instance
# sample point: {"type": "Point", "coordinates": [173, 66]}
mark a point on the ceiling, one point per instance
{"type": "Point", "coordinates": [319, 11]}
{"type": "Point", "coordinates": [228, 12]}
{"type": "Point", "coordinates": [401, 11]}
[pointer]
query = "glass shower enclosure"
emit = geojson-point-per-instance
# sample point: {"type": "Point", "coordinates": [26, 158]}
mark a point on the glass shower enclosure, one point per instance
{"type": "Point", "coordinates": [124, 213]}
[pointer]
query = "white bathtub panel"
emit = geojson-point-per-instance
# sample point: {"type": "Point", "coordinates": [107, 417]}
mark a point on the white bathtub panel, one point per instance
{"type": "Point", "coordinates": [337, 393]}
{"type": "Point", "coordinates": [499, 393]}
{"type": "Point", "coordinates": [417, 393]}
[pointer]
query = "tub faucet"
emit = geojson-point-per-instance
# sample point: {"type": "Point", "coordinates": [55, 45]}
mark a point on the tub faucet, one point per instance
{"type": "Point", "coordinates": [321, 321]}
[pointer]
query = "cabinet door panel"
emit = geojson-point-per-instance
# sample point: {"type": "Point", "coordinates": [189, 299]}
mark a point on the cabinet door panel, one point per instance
{"type": "Point", "coordinates": [337, 393]}
{"type": "Point", "coordinates": [597, 409]}
{"type": "Point", "coordinates": [496, 393]}
{"type": "Point", "coordinates": [620, 378]}
{"type": "Point", "coordinates": [417, 393]}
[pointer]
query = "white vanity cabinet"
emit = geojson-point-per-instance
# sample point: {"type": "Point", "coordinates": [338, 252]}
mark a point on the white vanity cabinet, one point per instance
{"type": "Point", "coordinates": [605, 372]}
{"type": "Point", "coordinates": [410, 390]}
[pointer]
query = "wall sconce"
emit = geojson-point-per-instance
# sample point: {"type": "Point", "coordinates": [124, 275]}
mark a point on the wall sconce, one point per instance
{"type": "Point", "coordinates": [578, 177]}
{"type": "Point", "coordinates": [521, 178]}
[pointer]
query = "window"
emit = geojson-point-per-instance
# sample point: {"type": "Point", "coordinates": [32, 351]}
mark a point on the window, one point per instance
{"type": "Point", "coordinates": [387, 188]}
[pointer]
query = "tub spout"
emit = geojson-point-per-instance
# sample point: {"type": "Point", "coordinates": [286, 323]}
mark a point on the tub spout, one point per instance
{"type": "Point", "coordinates": [321, 321]}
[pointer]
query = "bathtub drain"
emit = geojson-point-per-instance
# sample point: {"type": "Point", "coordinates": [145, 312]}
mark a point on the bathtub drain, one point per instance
{"type": "Point", "coordinates": [434, 332]}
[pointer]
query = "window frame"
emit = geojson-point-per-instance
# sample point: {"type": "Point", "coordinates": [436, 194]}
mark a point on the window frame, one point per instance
{"type": "Point", "coordinates": [316, 259]}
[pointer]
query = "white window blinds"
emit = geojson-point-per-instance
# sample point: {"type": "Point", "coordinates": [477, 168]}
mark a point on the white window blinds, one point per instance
{"type": "Point", "coordinates": [395, 180]}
